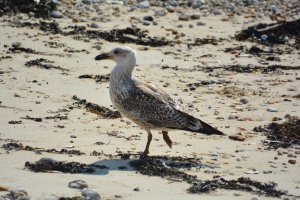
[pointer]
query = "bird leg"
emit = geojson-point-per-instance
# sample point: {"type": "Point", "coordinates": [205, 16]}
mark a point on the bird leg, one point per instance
{"type": "Point", "coordinates": [146, 152]}
{"type": "Point", "coordinates": [167, 138]}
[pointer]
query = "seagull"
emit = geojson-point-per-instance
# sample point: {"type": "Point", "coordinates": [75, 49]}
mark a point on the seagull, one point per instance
{"type": "Point", "coordinates": [148, 106]}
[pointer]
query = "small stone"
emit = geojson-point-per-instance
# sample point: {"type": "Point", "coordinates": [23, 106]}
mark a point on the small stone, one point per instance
{"type": "Point", "coordinates": [170, 9]}
{"type": "Point", "coordinates": [90, 194]}
{"type": "Point", "coordinates": [146, 23]}
{"type": "Point", "coordinates": [195, 16]}
{"type": "Point", "coordinates": [78, 184]}
{"type": "Point", "coordinates": [264, 37]}
{"type": "Point", "coordinates": [290, 155]}
{"type": "Point", "coordinates": [279, 153]}
{"type": "Point", "coordinates": [144, 5]}
{"type": "Point", "coordinates": [244, 100]}
{"type": "Point", "coordinates": [200, 23]}
{"type": "Point", "coordinates": [191, 25]}
{"type": "Point", "coordinates": [275, 158]}
{"type": "Point", "coordinates": [255, 198]}
{"type": "Point", "coordinates": [183, 17]}
{"type": "Point", "coordinates": [266, 171]}
{"type": "Point", "coordinates": [148, 18]}
{"type": "Point", "coordinates": [73, 136]}
{"type": "Point", "coordinates": [231, 116]}
{"type": "Point", "coordinates": [56, 14]}
{"type": "Point", "coordinates": [271, 109]}
{"type": "Point", "coordinates": [237, 137]}
{"type": "Point", "coordinates": [94, 25]}
{"type": "Point", "coordinates": [19, 194]}
{"type": "Point", "coordinates": [291, 161]}
{"type": "Point", "coordinates": [38, 101]}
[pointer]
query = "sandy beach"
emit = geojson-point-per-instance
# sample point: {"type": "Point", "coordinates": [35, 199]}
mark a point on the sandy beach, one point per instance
{"type": "Point", "coordinates": [55, 103]}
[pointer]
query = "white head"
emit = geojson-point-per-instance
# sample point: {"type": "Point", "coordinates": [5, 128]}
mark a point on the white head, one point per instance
{"type": "Point", "coordinates": [125, 57]}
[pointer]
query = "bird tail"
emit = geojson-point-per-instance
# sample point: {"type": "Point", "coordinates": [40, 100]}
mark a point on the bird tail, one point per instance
{"type": "Point", "coordinates": [196, 125]}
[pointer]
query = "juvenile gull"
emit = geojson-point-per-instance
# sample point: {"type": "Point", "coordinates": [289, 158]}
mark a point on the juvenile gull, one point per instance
{"type": "Point", "coordinates": [149, 107]}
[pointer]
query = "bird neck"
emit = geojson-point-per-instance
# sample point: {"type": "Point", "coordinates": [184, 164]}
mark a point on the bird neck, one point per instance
{"type": "Point", "coordinates": [122, 72]}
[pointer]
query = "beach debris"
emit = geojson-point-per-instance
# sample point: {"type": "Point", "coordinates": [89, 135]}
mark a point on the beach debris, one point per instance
{"type": "Point", "coordinates": [271, 109]}
{"type": "Point", "coordinates": [273, 33]}
{"type": "Point", "coordinates": [78, 184]}
{"type": "Point", "coordinates": [15, 122]}
{"type": "Point", "coordinates": [94, 108]}
{"type": "Point", "coordinates": [97, 78]}
{"type": "Point", "coordinates": [292, 161]}
{"type": "Point", "coordinates": [237, 137]}
{"type": "Point", "coordinates": [3, 188]}
{"type": "Point", "coordinates": [90, 194]}
{"type": "Point", "coordinates": [19, 194]}
{"type": "Point", "coordinates": [36, 119]}
{"type": "Point", "coordinates": [36, 8]}
{"type": "Point", "coordinates": [43, 63]}
{"type": "Point", "coordinates": [282, 135]}
{"type": "Point", "coordinates": [19, 146]}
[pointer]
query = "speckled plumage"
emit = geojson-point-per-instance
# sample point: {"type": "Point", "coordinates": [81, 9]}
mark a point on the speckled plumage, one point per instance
{"type": "Point", "coordinates": [146, 105]}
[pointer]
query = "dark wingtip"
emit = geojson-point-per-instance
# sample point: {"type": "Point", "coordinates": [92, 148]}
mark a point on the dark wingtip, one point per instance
{"type": "Point", "coordinates": [103, 56]}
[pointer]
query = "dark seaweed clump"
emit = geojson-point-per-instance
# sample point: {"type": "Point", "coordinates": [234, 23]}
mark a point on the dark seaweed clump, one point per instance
{"type": "Point", "coordinates": [282, 135]}
{"type": "Point", "coordinates": [42, 9]}
{"type": "Point", "coordinates": [275, 31]}
{"type": "Point", "coordinates": [43, 63]}
{"type": "Point", "coordinates": [94, 108]}
{"type": "Point", "coordinates": [251, 68]}
{"type": "Point", "coordinates": [17, 147]}
{"type": "Point", "coordinates": [66, 167]}
{"type": "Point", "coordinates": [168, 167]}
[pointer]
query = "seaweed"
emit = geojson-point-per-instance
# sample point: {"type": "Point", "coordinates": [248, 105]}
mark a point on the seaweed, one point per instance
{"type": "Point", "coordinates": [282, 135]}
{"type": "Point", "coordinates": [94, 108]}
{"type": "Point", "coordinates": [19, 146]}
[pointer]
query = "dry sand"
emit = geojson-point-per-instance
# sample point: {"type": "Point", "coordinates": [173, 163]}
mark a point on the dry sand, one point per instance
{"type": "Point", "coordinates": [21, 87]}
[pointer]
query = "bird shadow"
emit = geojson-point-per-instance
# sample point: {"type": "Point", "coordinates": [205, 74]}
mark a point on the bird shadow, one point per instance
{"type": "Point", "coordinates": [103, 167]}
{"type": "Point", "coordinates": [135, 163]}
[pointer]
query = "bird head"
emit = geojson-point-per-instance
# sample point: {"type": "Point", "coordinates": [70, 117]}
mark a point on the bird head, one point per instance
{"type": "Point", "coordinates": [123, 56]}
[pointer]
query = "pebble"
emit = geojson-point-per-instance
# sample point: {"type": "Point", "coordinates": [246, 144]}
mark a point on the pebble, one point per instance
{"type": "Point", "coordinates": [90, 194]}
{"type": "Point", "coordinates": [291, 161]}
{"type": "Point", "coordinates": [144, 5]}
{"type": "Point", "coordinates": [148, 18]}
{"type": "Point", "coordinates": [244, 100]}
{"type": "Point", "coordinates": [231, 116]}
{"type": "Point", "coordinates": [170, 9]}
{"type": "Point", "coordinates": [183, 17]}
{"type": "Point", "coordinates": [56, 14]}
{"type": "Point", "coordinates": [271, 109]}
{"type": "Point", "coordinates": [195, 16]}
{"type": "Point", "coordinates": [94, 25]}
{"type": "Point", "coordinates": [73, 136]}
{"type": "Point", "coordinates": [200, 23]}
{"type": "Point", "coordinates": [264, 37]}
{"type": "Point", "coordinates": [19, 194]}
{"type": "Point", "coordinates": [266, 171]}
{"type": "Point", "coordinates": [237, 137]}
{"type": "Point", "coordinates": [78, 184]}
{"type": "Point", "coordinates": [255, 198]}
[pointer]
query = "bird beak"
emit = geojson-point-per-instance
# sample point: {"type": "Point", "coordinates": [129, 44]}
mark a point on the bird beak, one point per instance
{"type": "Point", "coordinates": [103, 56]}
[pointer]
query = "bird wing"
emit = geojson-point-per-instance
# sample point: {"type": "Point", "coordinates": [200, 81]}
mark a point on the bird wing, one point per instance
{"type": "Point", "coordinates": [153, 106]}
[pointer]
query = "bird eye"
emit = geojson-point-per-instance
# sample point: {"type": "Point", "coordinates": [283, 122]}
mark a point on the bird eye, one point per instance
{"type": "Point", "coordinates": [116, 52]}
